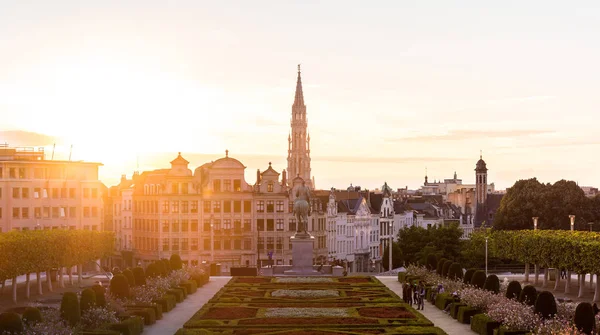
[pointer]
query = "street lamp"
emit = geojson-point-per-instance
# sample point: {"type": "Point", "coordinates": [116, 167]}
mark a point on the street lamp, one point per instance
{"type": "Point", "coordinates": [390, 247]}
{"type": "Point", "coordinates": [572, 217]}
{"type": "Point", "coordinates": [535, 219]}
{"type": "Point", "coordinates": [486, 255]}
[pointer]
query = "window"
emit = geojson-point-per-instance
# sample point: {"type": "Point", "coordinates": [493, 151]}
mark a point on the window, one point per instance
{"type": "Point", "coordinates": [270, 206]}
{"type": "Point", "coordinates": [247, 244]}
{"type": "Point", "coordinates": [206, 225]}
{"type": "Point", "coordinates": [217, 185]}
{"type": "Point", "coordinates": [16, 212]}
{"type": "Point", "coordinates": [279, 224]}
{"type": "Point", "coordinates": [194, 206]}
{"type": "Point", "coordinates": [237, 206]}
{"type": "Point", "coordinates": [12, 173]}
{"type": "Point", "coordinates": [86, 192]}
{"type": "Point", "coordinates": [247, 224]}
{"type": "Point", "coordinates": [227, 185]}
{"type": "Point", "coordinates": [226, 206]}
{"type": "Point", "coordinates": [260, 206]}
{"type": "Point", "coordinates": [184, 226]}
{"type": "Point", "coordinates": [16, 192]}
{"type": "Point", "coordinates": [270, 187]}
{"type": "Point", "coordinates": [279, 206]}
{"type": "Point", "coordinates": [247, 206]}
{"type": "Point", "coordinates": [175, 207]}
{"type": "Point", "coordinates": [165, 226]}
{"type": "Point", "coordinates": [194, 225]}
{"type": "Point", "coordinates": [270, 225]}
{"type": "Point", "coordinates": [217, 206]}
{"type": "Point", "coordinates": [165, 207]}
{"type": "Point", "coordinates": [184, 206]}
{"type": "Point", "coordinates": [72, 193]}
{"type": "Point", "coordinates": [237, 185]}
{"type": "Point", "coordinates": [206, 206]}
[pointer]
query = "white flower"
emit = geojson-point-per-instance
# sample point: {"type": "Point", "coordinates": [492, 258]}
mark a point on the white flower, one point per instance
{"type": "Point", "coordinates": [306, 312]}
{"type": "Point", "coordinates": [305, 293]}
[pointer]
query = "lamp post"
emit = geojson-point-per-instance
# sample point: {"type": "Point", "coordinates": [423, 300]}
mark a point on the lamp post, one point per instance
{"type": "Point", "coordinates": [535, 220]}
{"type": "Point", "coordinates": [390, 247]}
{"type": "Point", "coordinates": [572, 217]}
{"type": "Point", "coordinates": [486, 255]}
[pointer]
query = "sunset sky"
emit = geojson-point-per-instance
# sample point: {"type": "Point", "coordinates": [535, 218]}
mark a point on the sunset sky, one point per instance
{"type": "Point", "coordinates": [391, 87]}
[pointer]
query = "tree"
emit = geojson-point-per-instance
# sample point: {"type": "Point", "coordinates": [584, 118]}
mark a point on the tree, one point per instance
{"type": "Point", "coordinates": [396, 257]}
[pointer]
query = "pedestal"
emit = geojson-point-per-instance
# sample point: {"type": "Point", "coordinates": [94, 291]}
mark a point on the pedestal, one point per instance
{"type": "Point", "coordinates": [302, 255]}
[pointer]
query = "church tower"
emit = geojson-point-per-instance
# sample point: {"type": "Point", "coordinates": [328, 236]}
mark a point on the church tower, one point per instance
{"type": "Point", "coordinates": [480, 189]}
{"type": "Point", "coordinates": [299, 139]}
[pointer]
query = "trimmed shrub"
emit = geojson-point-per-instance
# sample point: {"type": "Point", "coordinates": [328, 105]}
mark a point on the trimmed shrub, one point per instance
{"type": "Point", "coordinates": [69, 308]}
{"type": "Point", "coordinates": [31, 316]}
{"type": "Point", "coordinates": [88, 299]}
{"type": "Point", "coordinates": [513, 291]}
{"type": "Point", "coordinates": [10, 323]}
{"type": "Point", "coordinates": [483, 324]}
{"type": "Point", "coordinates": [478, 278]}
{"type": "Point", "coordinates": [584, 318]}
{"type": "Point", "coordinates": [431, 262]}
{"type": "Point", "coordinates": [545, 305]}
{"type": "Point", "coordinates": [152, 270]}
{"type": "Point", "coordinates": [528, 295]}
{"type": "Point", "coordinates": [175, 262]}
{"type": "Point", "coordinates": [119, 286]}
{"type": "Point", "coordinates": [492, 284]}
{"type": "Point", "coordinates": [130, 278]}
{"type": "Point", "coordinates": [468, 276]}
{"type": "Point", "coordinates": [446, 267]}
{"type": "Point", "coordinates": [455, 271]}
{"type": "Point", "coordinates": [139, 275]}
{"type": "Point", "coordinates": [99, 291]}
{"type": "Point", "coordinates": [440, 266]}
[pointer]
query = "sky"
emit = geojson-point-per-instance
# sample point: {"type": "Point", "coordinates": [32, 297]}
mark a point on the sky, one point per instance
{"type": "Point", "coordinates": [392, 88]}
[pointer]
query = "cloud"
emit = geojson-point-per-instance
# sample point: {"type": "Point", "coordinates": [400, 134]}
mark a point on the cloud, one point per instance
{"type": "Point", "coordinates": [398, 160]}
{"type": "Point", "coordinates": [26, 138]}
{"type": "Point", "coordinates": [458, 135]}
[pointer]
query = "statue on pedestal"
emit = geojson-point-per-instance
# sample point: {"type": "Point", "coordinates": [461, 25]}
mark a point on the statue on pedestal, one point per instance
{"type": "Point", "coordinates": [301, 208]}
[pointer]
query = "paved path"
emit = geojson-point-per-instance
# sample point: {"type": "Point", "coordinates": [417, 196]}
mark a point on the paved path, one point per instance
{"type": "Point", "coordinates": [439, 318]}
{"type": "Point", "coordinates": [175, 319]}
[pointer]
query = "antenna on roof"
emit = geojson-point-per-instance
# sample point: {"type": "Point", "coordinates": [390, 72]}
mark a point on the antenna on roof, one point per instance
{"type": "Point", "coordinates": [53, 147]}
{"type": "Point", "coordinates": [70, 152]}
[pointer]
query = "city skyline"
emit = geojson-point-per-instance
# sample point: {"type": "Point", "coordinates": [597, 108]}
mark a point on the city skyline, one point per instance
{"type": "Point", "coordinates": [205, 78]}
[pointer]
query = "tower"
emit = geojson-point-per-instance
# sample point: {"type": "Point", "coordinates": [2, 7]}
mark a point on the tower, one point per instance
{"type": "Point", "coordinates": [480, 189]}
{"type": "Point", "coordinates": [299, 139]}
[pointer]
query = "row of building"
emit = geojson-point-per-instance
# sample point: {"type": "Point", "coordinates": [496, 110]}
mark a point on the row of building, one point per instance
{"type": "Point", "coordinates": [212, 214]}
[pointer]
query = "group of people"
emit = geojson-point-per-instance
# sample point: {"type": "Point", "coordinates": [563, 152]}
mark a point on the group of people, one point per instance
{"type": "Point", "coordinates": [413, 293]}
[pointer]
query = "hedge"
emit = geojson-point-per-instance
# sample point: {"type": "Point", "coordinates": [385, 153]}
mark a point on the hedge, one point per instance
{"type": "Point", "coordinates": [483, 324]}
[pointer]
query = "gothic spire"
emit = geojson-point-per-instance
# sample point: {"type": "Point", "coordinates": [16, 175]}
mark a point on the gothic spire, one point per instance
{"type": "Point", "coordinates": [299, 98]}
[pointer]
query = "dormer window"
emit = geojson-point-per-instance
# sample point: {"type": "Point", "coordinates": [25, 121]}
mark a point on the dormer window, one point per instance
{"type": "Point", "coordinates": [270, 187]}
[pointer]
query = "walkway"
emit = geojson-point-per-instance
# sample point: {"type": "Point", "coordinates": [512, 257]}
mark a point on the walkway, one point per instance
{"type": "Point", "coordinates": [439, 318]}
{"type": "Point", "coordinates": [175, 319]}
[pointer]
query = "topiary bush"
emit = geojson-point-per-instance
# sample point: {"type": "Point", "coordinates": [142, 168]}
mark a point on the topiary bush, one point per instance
{"type": "Point", "coordinates": [139, 275]}
{"type": "Point", "coordinates": [492, 284]}
{"type": "Point", "coordinates": [478, 278]}
{"type": "Point", "coordinates": [175, 262]}
{"type": "Point", "coordinates": [431, 262]}
{"type": "Point", "coordinates": [545, 305]}
{"type": "Point", "coordinates": [446, 267]}
{"type": "Point", "coordinates": [455, 271]}
{"type": "Point", "coordinates": [87, 300]}
{"type": "Point", "coordinates": [130, 278]}
{"type": "Point", "coordinates": [513, 291]}
{"type": "Point", "coordinates": [99, 293]}
{"type": "Point", "coordinates": [584, 318]}
{"type": "Point", "coordinates": [31, 316]}
{"type": "Point", "coordinates": [152, 270]}
{"type": "Point", "coordinates": [528, 295]}
{"type": "Point", "coordinates": [440, 265]}
{"type": "Point", "coordinates": [69, 308]}
{"type": "Point", "coordinates": [10, 323]}
{"type": "Point", "coordinates": [468, 276]}
{"type": "Point", "coordinates": [119, 286]}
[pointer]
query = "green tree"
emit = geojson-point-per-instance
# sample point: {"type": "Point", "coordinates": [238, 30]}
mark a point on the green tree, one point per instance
{"type": "Point", "coordinates": [396, 257]}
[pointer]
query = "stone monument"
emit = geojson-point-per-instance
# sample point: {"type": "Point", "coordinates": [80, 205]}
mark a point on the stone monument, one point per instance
{"type": "Point", "coordinates": [302, 241]}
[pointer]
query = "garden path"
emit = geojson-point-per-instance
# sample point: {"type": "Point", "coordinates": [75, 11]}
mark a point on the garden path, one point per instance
{"type": "Point", "coordinates": [175, 319]}
{"type": "Point", "coordinates": [438, 317]}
